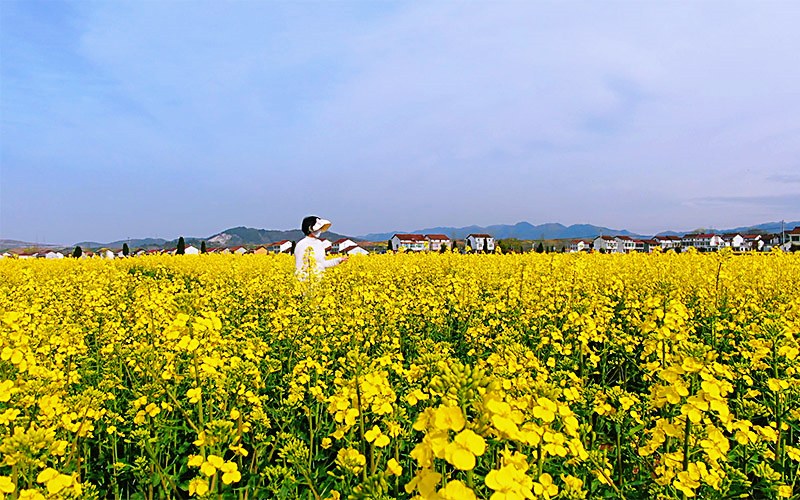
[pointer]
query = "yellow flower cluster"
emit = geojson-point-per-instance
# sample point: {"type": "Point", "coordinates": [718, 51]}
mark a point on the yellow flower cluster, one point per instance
{"type": "Point", "coordinates": [427, 376]}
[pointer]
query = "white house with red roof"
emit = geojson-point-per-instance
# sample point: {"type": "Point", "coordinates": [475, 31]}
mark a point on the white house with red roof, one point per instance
{"type": "Point", "coordinates": [240, 250]}
{"type": "Point", "coordinates": [733, 240]}
{"type": "Point", "coordinates": [580, 245]}
{"type": "Point", "coordinates": [341, 244]}
{"type": "Point", "coordinates": [793, 239]}
{"type": "Point", "coordinates": [410, 242]}
{"type": "Point", "coordinates": [480, 242]}
{"type": "Point", "coordinates": [626, 244]}
{"type": "Point", "coordinates": [353, 250]}
{"type": "Point", "coordinates": [437, 241]}
{"type": "Point", "coordinates": [752, 242]}
{"type": "Point", "coordinates": [283, 246]}
{"type": "Point", "coordinates": [705, 242]}
{"type": "Point", "coordinates": [668, 241]}
{"type": "Point", "coordinates": [607, 244]}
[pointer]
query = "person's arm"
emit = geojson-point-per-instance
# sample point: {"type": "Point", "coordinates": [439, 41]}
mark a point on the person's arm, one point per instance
{"type": "Point", "coordinates": [326, 263]}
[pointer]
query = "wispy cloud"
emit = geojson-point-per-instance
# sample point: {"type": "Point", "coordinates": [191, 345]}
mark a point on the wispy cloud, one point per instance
{"type": "Point", "coordinates": [785, 178]}
{"type": "Point", "coordinates": [782, 201]}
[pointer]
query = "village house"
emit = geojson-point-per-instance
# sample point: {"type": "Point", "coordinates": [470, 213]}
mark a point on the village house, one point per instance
{"type": "Point", "coordinates": [752, 242]}
{"type": "Point", "coordinates": [437, 241]}
{"type": "Point", "coordinates": [49, 254]}
{"type": "Point", "coordinates": [262, 250]}
{"type": "Point", "coordinates": [668, 241]}
{"type": "Point", "coordinates": [191, 250]}
{"type": "Point", "coordinates": [771, 241]}
{"type": "Point", "coordinates": [704, 242]}
{"type": "Point", "coordinates": [630, 245]}
{"type": "Point", "coordinates": [354, 250]}
{"type": "Point", "coordinates": [283, 246]}
{"type": "Point", "coordinates": [733, 240]}
{"type": "Point", "coordinates": [240, 250]}
{"type": "Point", "coordinates": [606, 244]}
{"type": "Point", "coordinates": [580, 246]}
{"type": "Point", "coordinates": [793, 239]}
{"type": "Point", "coordinates": [339, 245]}
{"type": "Point", "coordinates": [480, 242]}
{"type": "Point", "coordinates": [409, 242]}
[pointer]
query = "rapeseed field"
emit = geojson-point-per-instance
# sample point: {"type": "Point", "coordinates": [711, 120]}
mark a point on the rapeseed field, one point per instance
{"type": "Point", "coordinates": [432, 376]}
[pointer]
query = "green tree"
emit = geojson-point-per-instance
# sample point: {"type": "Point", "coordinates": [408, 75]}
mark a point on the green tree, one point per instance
{"type": "Point", "coordinates": [202, 247]}
{"type": "Point", "coordinates": [77, 252]}
{"type": "Point", "coordinates": [540, 247]}
{"type": "Point", "coordinates": [181, 246]}
{"type": "Point", "coordinates": [126, 249]}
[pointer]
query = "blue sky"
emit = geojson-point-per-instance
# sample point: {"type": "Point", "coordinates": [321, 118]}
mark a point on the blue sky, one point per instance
{"type": "Point", "coordinates": [160, 119]}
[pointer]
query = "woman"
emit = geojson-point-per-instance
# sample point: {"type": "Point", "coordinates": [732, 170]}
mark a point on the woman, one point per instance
{"type": "Point", "coordinates": [309, 253]}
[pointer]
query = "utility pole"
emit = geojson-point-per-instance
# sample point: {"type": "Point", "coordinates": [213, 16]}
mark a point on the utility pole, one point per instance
{"type": "Point", "coordinates": [782, 232]}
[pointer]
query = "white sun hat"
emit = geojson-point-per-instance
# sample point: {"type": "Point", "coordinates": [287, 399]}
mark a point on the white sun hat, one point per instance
{"type": "Point", "coordinates": [321, 225]}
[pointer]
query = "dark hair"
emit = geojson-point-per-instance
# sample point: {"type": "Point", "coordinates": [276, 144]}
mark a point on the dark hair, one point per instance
{"type": "Point", "coordinates": [308, 223]}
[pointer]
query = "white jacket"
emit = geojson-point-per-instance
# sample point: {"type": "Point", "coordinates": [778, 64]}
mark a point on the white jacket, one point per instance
{"type": "Point", "coordinates": [316, 254]}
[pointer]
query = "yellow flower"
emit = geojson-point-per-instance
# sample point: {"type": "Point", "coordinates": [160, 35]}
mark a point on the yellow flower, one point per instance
{"type": "Point", "coordinates": [230, 473]}
{"type": "Point", "coordinates": [510, 482]}
{"type": "Point", "coordinates": [54, 480]}
{"type": "Point", "coordinates": [425, 481]}
{"type": "Point", "coordinates": [195, 460]}
{"type": "Point", "coordinates": [448, 418]}
{"type": "Point", "coordinates": [375, 434]}
{"type": "Point", "coordinates": [326, 443]}
{"type": "Point", "coordinates": [456, 490]}
{"type": "Point", "coordinates": [545, 410]}
{"type": "Point", "coordinates": [545, 487]}
{"type": "Point", "coordinates": [31, 495]}
{"type": "Point", "coordinates": [6, 389]}
{"type": "Point", "coordinates": [6, 485]}
{"type": "Point", "coordinates": [394, 467]}
{"type": "Point", "coordinates": [350, 460]}
{"type": "Point", "coordinates": [210, 466]}
{"type": "Point", "coordinates": [198, 486]}
{"type": "Point", "coordinates": [465, 447]}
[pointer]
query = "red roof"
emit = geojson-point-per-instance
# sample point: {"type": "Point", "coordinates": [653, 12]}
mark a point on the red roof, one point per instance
{"type": "Point", "coordinates": [437, 237]}
{"type": "Point", "coordinates": [410, 237]}
{"type": "Point", "coordinates": [279, 243]}
{"type": "Point", "coordinates": [796, 230]}
{"type": "Point", "coordinates": [607, 238]}
{"type": "Point", "coordinates": [480, 235]}
{"type": "Point", "coordinates": [340, 240]}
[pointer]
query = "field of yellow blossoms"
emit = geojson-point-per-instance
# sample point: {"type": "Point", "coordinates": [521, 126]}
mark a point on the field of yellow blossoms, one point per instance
{"type": "Point", "coordinates": [435, 376]}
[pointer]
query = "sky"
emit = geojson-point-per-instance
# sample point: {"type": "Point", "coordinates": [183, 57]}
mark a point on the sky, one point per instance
{"type": "Point", "coordinates": [160, 119]}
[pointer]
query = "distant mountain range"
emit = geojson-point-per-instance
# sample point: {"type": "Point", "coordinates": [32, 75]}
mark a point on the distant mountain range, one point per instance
{"type": "Point", "coordinates": [522, 230]}
{"type": "Point", "coordinates": [228, 238]}
{"type": "Point", "coordinates": [554, 231]}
